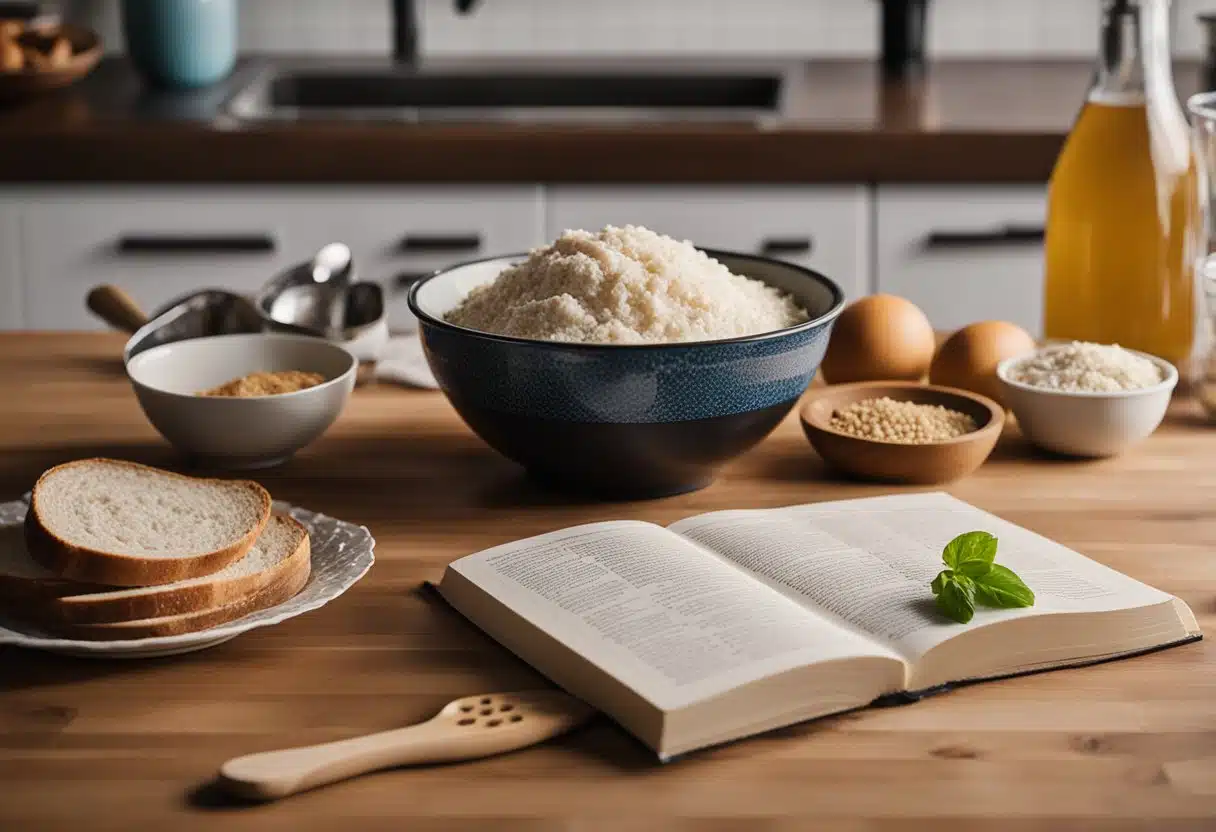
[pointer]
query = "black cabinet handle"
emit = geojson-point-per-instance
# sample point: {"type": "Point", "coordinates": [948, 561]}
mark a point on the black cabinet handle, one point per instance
{"type": "Point", "coordinates": [405, 280]}
{"type": "Point", "coordinates": [196, 243]}
{"type": "Point", "coordinates": [1007, 235]}
{"type": "Point", "coordinates": [777, 246]}
{"type": "Point", "coordinates": [439, 243]}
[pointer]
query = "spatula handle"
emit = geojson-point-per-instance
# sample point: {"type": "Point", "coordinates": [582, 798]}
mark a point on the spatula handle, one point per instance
{"type": "Point", "coordinates": [116, 307]}
{"type": "Point", "coordinates": [274, 774]}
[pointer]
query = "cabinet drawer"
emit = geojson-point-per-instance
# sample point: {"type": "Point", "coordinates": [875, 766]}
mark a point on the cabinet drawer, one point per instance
{"type": "Point", "coordinates": [161, 243]}
{"type": "Point", "coordinates": [964, 254]}
{"type": "Point", "coordinates": [156, 246]}
{"type": "Point", "coordinates": [824, 228]}
{"type": "Point", "coordinates": [400, 234]}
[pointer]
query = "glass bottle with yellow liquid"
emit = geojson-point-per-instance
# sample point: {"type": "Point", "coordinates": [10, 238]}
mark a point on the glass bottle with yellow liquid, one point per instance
{"type": "Point", "coordinates": [1125, 218]}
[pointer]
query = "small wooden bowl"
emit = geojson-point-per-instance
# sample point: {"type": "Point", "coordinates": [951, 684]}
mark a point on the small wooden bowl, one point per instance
{"type": "Point", "coordinates": [28, 82]}
{"type": "Point", "coordinates": [893, 461]}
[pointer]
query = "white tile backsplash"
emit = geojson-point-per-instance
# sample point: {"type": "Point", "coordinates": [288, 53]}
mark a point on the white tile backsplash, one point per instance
{"type": "Point", "coordinates": [825, 28]}
{"type": "Point", "coordinates": [635, 27]}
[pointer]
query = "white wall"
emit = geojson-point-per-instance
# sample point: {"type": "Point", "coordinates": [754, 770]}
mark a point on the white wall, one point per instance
{"type": "Point", "coordinates": [841, 28]}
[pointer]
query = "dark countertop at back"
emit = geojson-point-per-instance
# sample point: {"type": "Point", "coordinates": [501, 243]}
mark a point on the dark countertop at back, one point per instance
{"type": "Point", "coordinates": [994, 122]}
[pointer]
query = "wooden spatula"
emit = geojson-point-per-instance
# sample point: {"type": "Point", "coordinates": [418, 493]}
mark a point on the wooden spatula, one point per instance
{"type": "Point", "coordinates": [466, 729]}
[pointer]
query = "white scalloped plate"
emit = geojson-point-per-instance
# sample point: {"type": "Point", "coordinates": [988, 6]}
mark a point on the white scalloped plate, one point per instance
{"type": "Point", "coordinates": [341, 555]}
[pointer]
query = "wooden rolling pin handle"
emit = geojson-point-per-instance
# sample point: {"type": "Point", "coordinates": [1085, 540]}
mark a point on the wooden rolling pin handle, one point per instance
{"type": "Point", "coordinates": [116, 307]}
{"type": "Point", "coordinates": [275, 774]}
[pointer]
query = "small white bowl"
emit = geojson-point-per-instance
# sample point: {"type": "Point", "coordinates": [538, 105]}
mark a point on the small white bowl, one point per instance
{"type": "Point", "coordinates": [1088, 424]}
{"type": "Point", "coordinates": [241, 433]}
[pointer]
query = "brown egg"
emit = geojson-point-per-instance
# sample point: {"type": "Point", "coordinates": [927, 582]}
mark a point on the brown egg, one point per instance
{"type": "Point", "coordinates": [879, 338]}
{"type": "Point", "coordinates": [968, 358]}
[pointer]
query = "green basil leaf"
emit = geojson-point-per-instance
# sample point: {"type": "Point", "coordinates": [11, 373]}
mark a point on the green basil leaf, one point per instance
{"type": "Point", "coordinates": [974, 568]}
{"type": "Point", "coordinates": [1000, 587]}
{"type": "Point", "coordinates": [957, 599]}
{"type": "Point", "coordinates": [942, 578]}
{"type": "Point", "coordinates": [976, 548]}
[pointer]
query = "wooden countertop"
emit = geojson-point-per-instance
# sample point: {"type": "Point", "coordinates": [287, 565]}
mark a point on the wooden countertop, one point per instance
{"type": "Point", "coordinates": [99, 745]}
{"type": "Point", "coordinates": [964, 122]}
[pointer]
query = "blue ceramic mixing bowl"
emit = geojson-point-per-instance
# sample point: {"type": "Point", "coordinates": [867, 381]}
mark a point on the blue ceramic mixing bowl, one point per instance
{"type": "Point", "coordinates": [624, 421]}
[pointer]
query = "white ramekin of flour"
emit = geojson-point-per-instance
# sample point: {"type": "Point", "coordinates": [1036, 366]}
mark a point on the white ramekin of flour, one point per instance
{"type": "Point", "coordinates": [1089, 400]}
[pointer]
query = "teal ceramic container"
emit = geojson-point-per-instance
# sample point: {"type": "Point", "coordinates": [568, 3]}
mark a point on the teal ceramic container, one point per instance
{"type": "Point", "coordinates": [181, 44]}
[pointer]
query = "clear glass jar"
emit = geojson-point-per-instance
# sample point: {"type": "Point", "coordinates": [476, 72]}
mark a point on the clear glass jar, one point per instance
{"type": "Point", "coordinates": [1205, 376]}
{"type": "Point", "coordinates": [1202, 108]}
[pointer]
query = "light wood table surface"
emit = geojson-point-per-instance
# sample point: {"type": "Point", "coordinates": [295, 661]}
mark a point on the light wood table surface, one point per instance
{"type": "Point", "coordinates": [98, 745]}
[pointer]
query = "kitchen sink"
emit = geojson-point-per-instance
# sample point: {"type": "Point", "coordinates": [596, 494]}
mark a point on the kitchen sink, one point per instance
{"type": "Point", "coordinates": [402, 95]}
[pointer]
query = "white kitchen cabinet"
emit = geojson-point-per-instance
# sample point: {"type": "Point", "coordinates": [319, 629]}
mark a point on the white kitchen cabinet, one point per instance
{"type": "Point", "coordinates": [400, 234]}
{"type": "Point", "coordinates": [824, 228]}
{"type": "Point", "coordinates": [156, 245]}
{"type": "Point", "coordinates": [159, 243]}
{"type": "Point", "coordinates": [11, 287]}
{"type": "Point", "coordinates": [963, 254]}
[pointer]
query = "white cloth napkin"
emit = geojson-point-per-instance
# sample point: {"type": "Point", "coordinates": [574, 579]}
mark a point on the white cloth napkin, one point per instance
{"type": "Point", "coordinates": [401, 360]}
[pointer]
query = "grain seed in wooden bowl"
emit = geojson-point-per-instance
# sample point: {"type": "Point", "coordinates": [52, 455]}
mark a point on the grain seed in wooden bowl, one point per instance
{"type": "Point", "coordinates": [903, 432]}
{"type": "Point", "coordinates": [891, 420]}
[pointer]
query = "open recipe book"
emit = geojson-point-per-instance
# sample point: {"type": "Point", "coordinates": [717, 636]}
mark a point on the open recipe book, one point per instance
{"type": "Point", "coordinates": [736, 622]}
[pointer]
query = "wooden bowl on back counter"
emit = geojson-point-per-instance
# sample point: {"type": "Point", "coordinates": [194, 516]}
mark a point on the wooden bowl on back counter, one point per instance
{"type": "Point", "coordinates": [896, 462]}
{"type": "Point", "coordinates": [34, 78]}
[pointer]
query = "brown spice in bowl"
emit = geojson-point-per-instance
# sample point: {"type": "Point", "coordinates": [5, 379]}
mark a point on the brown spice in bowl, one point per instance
{"type": "Point", "coordinates": [266, 384]}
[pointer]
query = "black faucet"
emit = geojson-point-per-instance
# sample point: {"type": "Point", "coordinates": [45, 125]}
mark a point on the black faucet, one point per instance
{"type": "Point", "coordinates": [405, 28]}
{"type": "Point", "coordinates": [903, 37]}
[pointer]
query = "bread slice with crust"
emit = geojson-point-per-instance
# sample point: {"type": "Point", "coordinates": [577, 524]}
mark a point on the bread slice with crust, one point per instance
{"type": "Point", "coordinates": [282, 548]}
{"type": "Point", "coordinates": [283, 588]}
{"type": "Point", "coordinates": [115, 523]}
{"type": "Point", "coordinates": [25, 582]}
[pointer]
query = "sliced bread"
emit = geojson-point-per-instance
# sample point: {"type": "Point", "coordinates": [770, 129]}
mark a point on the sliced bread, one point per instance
{"type": "Point", "coordinates": [276, 592]}
{"type": "Point", "coordinates": [23, 581]}
{"type": "Point", "coordinates": [116, 523]}
{"type": "Point", "coordinates": [281, 549]}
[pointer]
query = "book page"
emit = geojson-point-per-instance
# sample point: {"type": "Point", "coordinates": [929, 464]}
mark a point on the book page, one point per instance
{"type": "Point", "coordinates": [869, 563]}
{"type": "Point", "coordinates": [670, 620]}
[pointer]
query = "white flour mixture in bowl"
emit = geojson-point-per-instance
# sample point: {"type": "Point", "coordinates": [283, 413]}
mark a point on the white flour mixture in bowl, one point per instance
{"type": "Point", "coordinates": [624, 286]}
